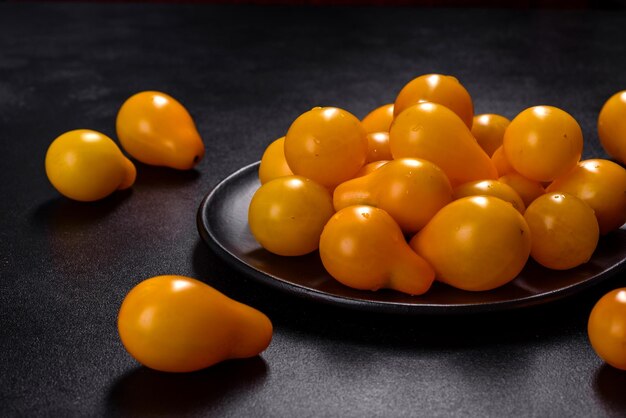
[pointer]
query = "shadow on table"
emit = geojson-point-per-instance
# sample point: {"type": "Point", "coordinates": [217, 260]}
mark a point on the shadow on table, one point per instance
{"type": "Point", "coordinates": [163, 177]}
{"type": "Point", "coordinates": [610, 385]}
{"type": "Point", "coordinates": [67, 214]}
{"type": "Point", "coordinates": [144, 391]}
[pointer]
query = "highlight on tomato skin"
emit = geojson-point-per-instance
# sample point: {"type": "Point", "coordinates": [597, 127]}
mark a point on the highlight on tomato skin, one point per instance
{"type": "Point", "coordinates": [488, 129]}
{"type": "Point", "coordinates": [607, 328]}
{"type": "Point", "coordinates": [175, 323]}
{"type": "Point", "coordinates": [379, 119]}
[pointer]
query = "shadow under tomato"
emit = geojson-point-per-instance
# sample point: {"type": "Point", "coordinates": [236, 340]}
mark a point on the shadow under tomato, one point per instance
{"type": "Point", "coordinates": [66, 214]}
{"type": "Point", "coordinates": [163, 177]}
{"type": "Point", "coordinates": [609, 384]}
{"type": "Point", "coordinates": [144, 391]}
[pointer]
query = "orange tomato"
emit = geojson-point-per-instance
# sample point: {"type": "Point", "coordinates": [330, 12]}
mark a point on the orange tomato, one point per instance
{"type": "Point", "coordinates": [607, 328]}
{"type": "Point", "coordinates": [433, 132]}
{"type": "Point", "coordinates": [475, 243]}
{"type": "Point", "coordinates": [378, 147]}
{"type": "Point", "coordinates": [488, 129]}
{"type": "Point", "coordinates": [379, 119]}
{"type": "Point", "coordinates": [493, 188]}
{"type": "Point", "coordinates": [178, 324]}
{"type": "Point", "coordinates": [327, 145]}
{"type": "Point", "coordinates": [86, 165]}
{"type": "Point", "coordinates": [156, 129]}
{"type": "Point", "coordinates": [543, 143]}
{"type": "Point", "coordinates": [500, 162]}
{"type": "Point", "coordinates": [363, 247]}
{"type": "Point", "coordinates": [564, 231]}
{"type": "Point", "coordinates": [437, 88]}
{"type": "Point", "coordinates": [408, 189]}
{"type": "Point", "coordinates": [286, 215]}
{"type": "Point", "coordinates": [602, 185]}
{"type": "Point", "coordinates": [612, 126]}
{"type": "Point", "coordinates": [527, 189]}
{"type": "Point", "coordinates": [273, 162]}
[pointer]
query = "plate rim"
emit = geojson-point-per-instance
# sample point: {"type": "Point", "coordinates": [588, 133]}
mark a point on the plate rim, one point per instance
{"type": "Point", "coordinates": [208, 236]}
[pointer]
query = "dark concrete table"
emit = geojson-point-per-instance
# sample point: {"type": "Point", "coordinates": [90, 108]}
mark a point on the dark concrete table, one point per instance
{"type": "Point", "coordinates": [245, 73]}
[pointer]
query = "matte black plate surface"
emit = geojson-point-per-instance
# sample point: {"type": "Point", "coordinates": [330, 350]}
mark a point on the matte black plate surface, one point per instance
{"type": "Point", "coordinates": [223, 224]}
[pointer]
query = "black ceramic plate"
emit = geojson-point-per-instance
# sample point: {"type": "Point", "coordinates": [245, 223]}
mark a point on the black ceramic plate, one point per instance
{"type": "Point", "coordinates": [223, 224]}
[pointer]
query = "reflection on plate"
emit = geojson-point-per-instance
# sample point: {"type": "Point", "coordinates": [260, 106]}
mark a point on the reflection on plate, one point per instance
{"type": "Point", "coordinates": [223, 224]}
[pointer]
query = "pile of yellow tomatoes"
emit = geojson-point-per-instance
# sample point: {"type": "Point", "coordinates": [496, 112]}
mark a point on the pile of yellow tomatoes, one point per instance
{"type": "Point", "coordinates": [422, 190]}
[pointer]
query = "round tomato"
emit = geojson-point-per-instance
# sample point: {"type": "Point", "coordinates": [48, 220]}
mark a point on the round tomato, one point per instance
{"type": "Point", "coordinates": [488, 129]}
{"type": "Point", "coordinates": [612, 126]}
{"type": "Point", "coordinates": [607, 328]}
{"type": "Point", "coordinates": [379, 119]}
{"type": "Point", "coordinates": [543, 143]}
{"type": "Point", "coordinates": [564, 230]}
{"type": "Point", "coordinates": [273, 162]}
{"type": "Point", "coordinates": [287, 215]}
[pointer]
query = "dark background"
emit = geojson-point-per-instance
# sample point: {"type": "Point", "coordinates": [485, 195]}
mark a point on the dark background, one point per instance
{"type": "Point", "coordinates": [245, 72]}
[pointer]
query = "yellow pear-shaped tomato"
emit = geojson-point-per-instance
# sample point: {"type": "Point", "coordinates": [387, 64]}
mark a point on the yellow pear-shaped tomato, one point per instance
{"type": "Point", "coordinates": [433, 132]}
{"type": "Point", "coordinates": [493, 188]}
{"type": "Point", "coordinates": [475, 243]}
{"type": "Point", "coordinates": [287, 215]}
{"type": "Point", "coordinates": [410, 190]}
{"type": "Point", "coordinates": [379, 119]}
{"type": "Point", "coordinates": [564, 231]}
{"type": "Point", "coordinates": [363, 247]}
{"type": "Point", "coordinates": [488, 129]}
{"type": "Point", "coordinates": [612, 126]}
{"type": "Point", "coordinates": [437, 88]}
{"type": "Point", "coordinates": [602, 185]}
{"type": "Point", "coordinates": [178, 324]}
{"type": "Point", "coordinates": [543, 143]}
{"type": "Point", "coordinates": [86, 165]}
{"type": "Point", "coordinates": [378, 147]}
{"type": "Point", "coordinates": [527, 189]}
{"type": "Point", "coordinates": [273, 162]}
{"type": "Point", "coordinates": [327, 145]}
{"type": "Point", "coordinates": [156, 129]}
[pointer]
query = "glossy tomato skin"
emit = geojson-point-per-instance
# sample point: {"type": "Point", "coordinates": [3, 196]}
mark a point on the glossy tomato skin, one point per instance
{"type": "Point", "coordinates": [273, 162]}
{"type": "Point", "coordinates": [409, 189]}
{"type": "Point", "coordinates": [612, 126]}
{"type": "Point", "coordinates": [543, 143]}
{"type": "Point", "coordinates": [364, 248]}
{"type": "Point", "coordinates": [156, 129]}
{"type": "Point", "coordinates": [437, 88]}
{"type": "Point", "coordinates": [488, 129]}
{"type": "Point", "coordinates": [178, 324]}
{"type": "Point", "coordinates": [602, 185]}
{"type": "Point", "coordinates": [475, 243]}
{"type": "Point", "coordinates": [378, 147]}
{"type": "Point", "coordinates": [327, 145]}
{"type": "Point", "coordinates": [493, 188]}
{"type": "Point", "coordinates": [433, 132]}
{"type": "Point", "coordinates": [607, 328]}
{"type": "Point", "coordinates": [527, 189]}
{"type": "Point", "coordinates": [379, 119]}
{"type": "Point", "coordinates": [87, 165]}
{"type": "Point", "coordinates": [564, 229]}
{"type": "Point", "coordinates": [502, 165]}
{"type": "Point", "coordinates": [287, 215]}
